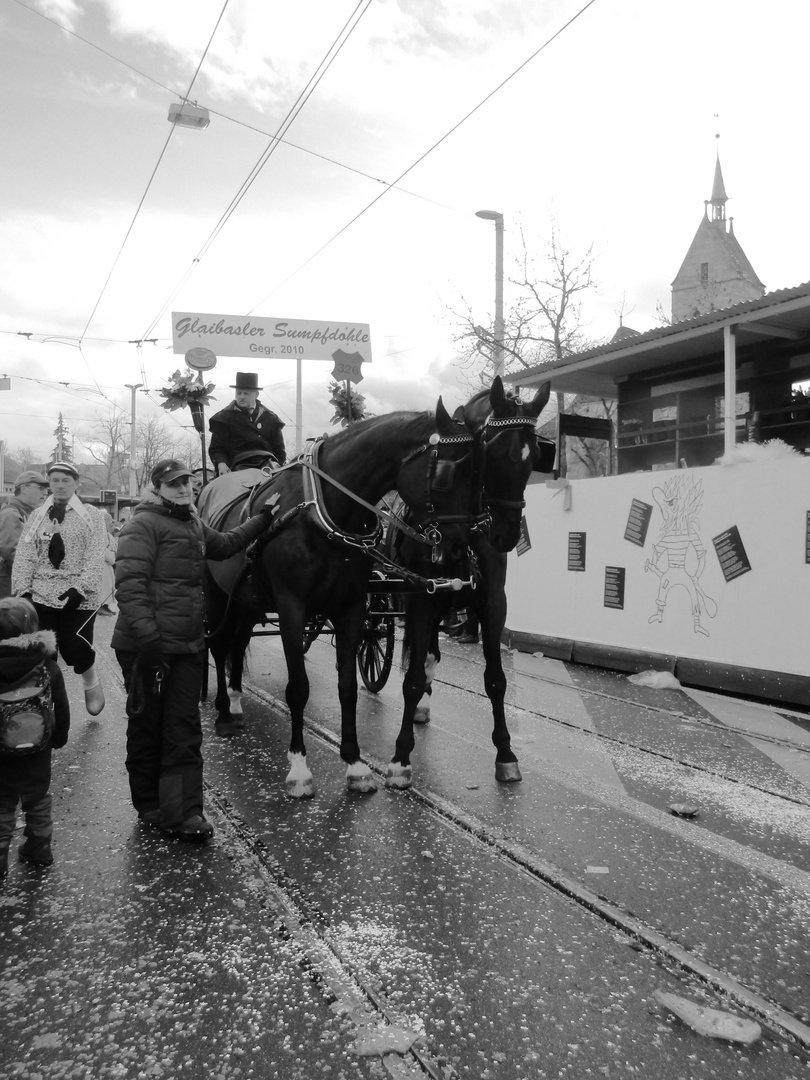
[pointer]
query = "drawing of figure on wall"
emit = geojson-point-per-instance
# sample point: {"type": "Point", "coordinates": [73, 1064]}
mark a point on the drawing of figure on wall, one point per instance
{"type": "Point", "coordinates": [678, 556]}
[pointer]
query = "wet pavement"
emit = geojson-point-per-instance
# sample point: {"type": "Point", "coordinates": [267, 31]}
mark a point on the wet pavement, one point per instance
{"type": "Point", "coordinates": [499, 931]}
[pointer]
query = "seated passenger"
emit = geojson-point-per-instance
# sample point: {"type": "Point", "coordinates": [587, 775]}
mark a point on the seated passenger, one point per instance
{"type": "Point", "coordinates": [244, 433]}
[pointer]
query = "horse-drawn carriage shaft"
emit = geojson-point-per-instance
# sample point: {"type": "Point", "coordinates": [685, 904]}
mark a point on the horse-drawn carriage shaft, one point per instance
{"type": "Point", "coordinates": [508, 428]}
{"type": "Point", "coordinates": [318, 561]}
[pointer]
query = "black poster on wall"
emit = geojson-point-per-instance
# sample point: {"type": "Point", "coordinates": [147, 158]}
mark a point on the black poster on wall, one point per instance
{"type": "Point", "coordinates": [576, 550]}
{"type": "Point", "coordinates": [638, 521]}
{"type": "Point", "coordinates": [614, 587]}
{"type": "Point", "coordinates": [731, 553]}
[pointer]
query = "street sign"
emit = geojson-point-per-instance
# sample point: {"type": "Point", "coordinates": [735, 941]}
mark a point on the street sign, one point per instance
{"type": "Point", "coordinates": [347, 366]}
{"type": "Point", "coordinates": [200, 359]}
{"type": "Point", "coordinates": [272, 339]}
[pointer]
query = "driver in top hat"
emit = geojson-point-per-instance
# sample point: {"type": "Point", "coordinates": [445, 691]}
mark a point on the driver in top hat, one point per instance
{"type": "Point", "coordinates": [245, 429]}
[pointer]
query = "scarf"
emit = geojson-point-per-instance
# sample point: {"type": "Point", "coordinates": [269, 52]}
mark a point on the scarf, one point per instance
{"type": "Point", "coordinates": [56, 546]}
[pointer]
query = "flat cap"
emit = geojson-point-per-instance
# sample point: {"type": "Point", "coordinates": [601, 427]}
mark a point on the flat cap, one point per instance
{"type": "Point", "coordinates": [31, 477]}
{"type": "Point", "coordinates": [63, 466]}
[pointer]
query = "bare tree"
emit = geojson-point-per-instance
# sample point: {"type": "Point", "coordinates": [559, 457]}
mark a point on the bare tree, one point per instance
{"type": "Point", "coordinates": [545, 320]}
{"type": "Point", "coordinates": [107, 443]}
{"type": "Point", "coordinates": [155, 439]}
{"type": "Point", "coordinates": [24, 456]}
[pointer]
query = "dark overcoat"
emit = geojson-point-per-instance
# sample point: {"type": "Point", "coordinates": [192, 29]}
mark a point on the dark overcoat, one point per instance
{"type": "Point", "coordinates": [234, 432]}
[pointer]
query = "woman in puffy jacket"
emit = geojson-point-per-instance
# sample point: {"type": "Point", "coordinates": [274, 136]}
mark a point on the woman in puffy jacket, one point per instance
{"type": "Point", "coordinates": [159, 641]}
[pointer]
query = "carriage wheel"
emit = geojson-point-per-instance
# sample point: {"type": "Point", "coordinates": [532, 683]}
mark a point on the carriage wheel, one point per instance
{"type": "Point", "coordinates": [312, 630]}
{"type": "Point", "coordinates": [375, 653]}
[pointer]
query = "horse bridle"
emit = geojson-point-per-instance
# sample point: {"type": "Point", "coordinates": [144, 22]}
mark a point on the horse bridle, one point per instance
{"type": "Point", "coordinates": [502, 424]}
{"type": "Point", "coordinates": [438, 478]}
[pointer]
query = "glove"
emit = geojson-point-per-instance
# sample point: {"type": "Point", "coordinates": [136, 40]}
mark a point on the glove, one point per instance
{"type": "Point", "coordinates": [269, 510]}
{"type": "Point", "coordinates": [57, 742]}
{"type": "Point", "coordinates": [72, 598]}
{"type": "Point", "coordinates": [151, 656]}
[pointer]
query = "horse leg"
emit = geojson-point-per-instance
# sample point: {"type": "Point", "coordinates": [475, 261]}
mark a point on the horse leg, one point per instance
{"type": "Point", "coordinates": [238, 651]}
{"type": "Point", "coordinates": [418, 629]}
{"type": "Point", "coordinates": [432, 660]}
{"type": "Point", "coordinates": [299, 782]}
{"type": "Point", "coordinates": [492, 617]}
{"type": "Point", "coordinates": [348, 631]}
{"type": "Point", "coordinates": [229, 658]}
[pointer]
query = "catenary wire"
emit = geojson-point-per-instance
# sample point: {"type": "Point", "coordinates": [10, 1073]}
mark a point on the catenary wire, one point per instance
{"type": "Point", "coordinates": [326, 62]}
{"type": "Point", "coordinates": [151, 179]}
{"type": "Point", "coordinates": [427, 152]}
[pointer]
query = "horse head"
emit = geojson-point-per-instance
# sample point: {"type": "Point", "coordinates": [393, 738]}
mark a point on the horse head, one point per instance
{"type": "Point", "coordinates": [511, 452]}
{"type": "Point", "coordinates": [442, 483]}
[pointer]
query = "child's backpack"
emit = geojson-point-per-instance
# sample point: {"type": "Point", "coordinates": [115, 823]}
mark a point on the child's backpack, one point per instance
{"type": "Point", "coordinates": [26, 713]}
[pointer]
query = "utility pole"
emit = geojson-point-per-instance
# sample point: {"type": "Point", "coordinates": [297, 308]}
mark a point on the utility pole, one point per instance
{"type": "Point", "coordinates": [133, 474]}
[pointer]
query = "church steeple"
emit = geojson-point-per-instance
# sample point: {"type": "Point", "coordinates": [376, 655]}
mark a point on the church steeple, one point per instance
{"type": "Point", "coordinates": [719, 198]}
{"type": "Point", "coordinates": [716, 272]}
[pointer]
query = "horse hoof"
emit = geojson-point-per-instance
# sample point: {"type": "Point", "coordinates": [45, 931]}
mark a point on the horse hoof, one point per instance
{"type": "Point", "coordinates": [359, 778]}
{"type": "Point", "coordinates": [399, 777]}
{"type": "Point", "coordinates": [508, 772]}
{"type": "Point", "coordinates": [300, 789]}
{"type": "Point", "coordinates": [226, 729]}
{"type": "Point", "coordinates": [422, 715]}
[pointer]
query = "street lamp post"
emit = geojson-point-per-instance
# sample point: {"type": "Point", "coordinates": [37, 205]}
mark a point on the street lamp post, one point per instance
{"type": "Point", "coordinates": [493, 215]}
{"type": "Point", "coordinates": [133, 472]}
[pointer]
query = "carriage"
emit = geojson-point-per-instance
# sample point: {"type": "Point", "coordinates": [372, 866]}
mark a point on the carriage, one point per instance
{"type": "Point", "coordinates": [460, 482]}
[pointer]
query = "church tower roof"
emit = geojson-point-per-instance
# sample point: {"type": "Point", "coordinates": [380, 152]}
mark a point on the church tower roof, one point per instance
{"type": "Point", "coordinates": [716, 272]}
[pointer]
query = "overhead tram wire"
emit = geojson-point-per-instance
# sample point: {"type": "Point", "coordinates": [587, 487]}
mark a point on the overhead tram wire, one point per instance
{"type": "Point", "coordinates": [151, 179]}
{"type": "Point", "coordinates": [328, 59]}
{"type": "Point", "coordinates": [230, 119]}
{"type": "Point", "coordinates": [426, 154]}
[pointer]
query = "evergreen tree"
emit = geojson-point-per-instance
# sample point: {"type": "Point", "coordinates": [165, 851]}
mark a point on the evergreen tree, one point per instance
{"type": "Point", "coordinates": [63, 451]}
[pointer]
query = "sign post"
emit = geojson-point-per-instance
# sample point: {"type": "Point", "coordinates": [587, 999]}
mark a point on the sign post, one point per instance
{"type": "Point", "coordinates": [200, 359]}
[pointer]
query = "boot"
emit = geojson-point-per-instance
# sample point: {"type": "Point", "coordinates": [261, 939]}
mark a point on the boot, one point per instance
{"type": "Point", "coordinates": [36, 850]}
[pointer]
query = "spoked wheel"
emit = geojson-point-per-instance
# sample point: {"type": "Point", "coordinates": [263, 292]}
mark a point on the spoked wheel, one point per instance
{"type": "Point", "coordinates": [375, 653]}
{"type": "Point", "coordinates": [312, 630]}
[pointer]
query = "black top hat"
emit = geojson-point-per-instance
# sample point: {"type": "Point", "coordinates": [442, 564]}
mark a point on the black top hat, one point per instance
{"type": "Point", "coordinates": [246, 380]}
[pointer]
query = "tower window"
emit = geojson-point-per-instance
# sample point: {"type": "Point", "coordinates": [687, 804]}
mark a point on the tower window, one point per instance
{"type": "Point", "coordinates": [704, 273]}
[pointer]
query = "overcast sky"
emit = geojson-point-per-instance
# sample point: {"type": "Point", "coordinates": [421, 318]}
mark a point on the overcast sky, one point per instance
{"type": "Point", "coordinates": [609, 127]}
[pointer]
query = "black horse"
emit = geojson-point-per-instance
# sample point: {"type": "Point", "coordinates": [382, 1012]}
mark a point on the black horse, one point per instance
{"type": "Point", "coordinates": [511, 452]}
{"type": "Point", "coordinates": [316, 560]}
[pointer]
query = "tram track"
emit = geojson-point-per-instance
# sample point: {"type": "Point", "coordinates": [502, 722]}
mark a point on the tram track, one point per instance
{"type": "Point", "coordinates": [646, 751]}
{"type": "Point", "coordinates": [780, 1022]}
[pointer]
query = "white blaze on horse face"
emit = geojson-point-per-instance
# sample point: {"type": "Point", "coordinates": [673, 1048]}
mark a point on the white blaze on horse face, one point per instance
{"type": "Point", "coordinates": [235, 698]}
{"type": "Point", "coordinates": [525, 452]}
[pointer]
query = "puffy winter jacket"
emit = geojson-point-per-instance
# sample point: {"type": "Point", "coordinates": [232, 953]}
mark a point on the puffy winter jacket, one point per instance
{"type": "Point", "coordinates": [159, 569]}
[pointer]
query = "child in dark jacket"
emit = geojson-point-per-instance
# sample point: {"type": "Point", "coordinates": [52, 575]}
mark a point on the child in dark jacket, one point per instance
{"type": "Point", "coordinates": [26, 778]}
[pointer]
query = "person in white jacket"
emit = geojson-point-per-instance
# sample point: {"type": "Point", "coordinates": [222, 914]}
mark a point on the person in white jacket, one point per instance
{"type": "Point", "coordinates": [58, 566]}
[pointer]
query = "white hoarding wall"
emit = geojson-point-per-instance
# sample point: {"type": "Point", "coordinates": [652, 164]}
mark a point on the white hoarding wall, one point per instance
{"type": "Point", "coordinates": [711, 564]}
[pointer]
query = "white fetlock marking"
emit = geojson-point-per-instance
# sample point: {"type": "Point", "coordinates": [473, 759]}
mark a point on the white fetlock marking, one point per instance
{"type": "Point", "coordinates": [430, 668]}
{"type": "Point", "coordinates": [422, 714]}
{"type": "Point", "coordinates": [360, 778]}
{"type": "Point", "coordinates": [235, 699]}
{"type": "Point", "coordinates": [399, 776]}
{"type": "Point", "coordinates": [299, 782]}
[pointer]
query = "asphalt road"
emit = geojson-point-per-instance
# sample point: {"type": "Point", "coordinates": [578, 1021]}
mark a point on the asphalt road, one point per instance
{"type": "Point", "coordinates": [466, 929]}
